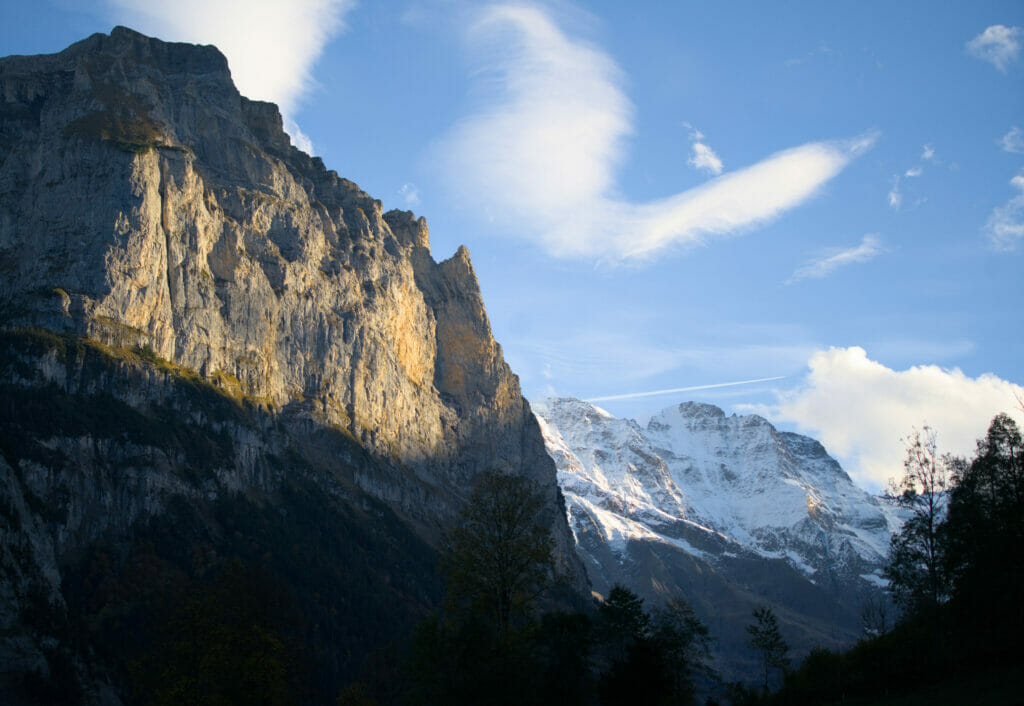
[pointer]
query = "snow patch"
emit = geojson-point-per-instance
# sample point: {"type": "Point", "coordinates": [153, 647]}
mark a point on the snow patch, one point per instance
{"type": "Point", "coordinates": [876, 580]}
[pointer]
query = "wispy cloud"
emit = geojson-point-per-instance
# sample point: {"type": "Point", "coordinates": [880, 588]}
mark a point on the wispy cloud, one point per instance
{"type": "Point", "coordinates": [861, 409]}
{"type": "Point", "coordinates": [895, 195]}
{"type": "Point", "coordinates": [1005, 227]}
{"type": "Point", "coordinates": [271, 46]}
{"type": "Point", "coordinates": [675, 390]}
{"type": "Point", "coordinates": [578, 357]}
{"type": "Point", "coordinates": [410, 193]}
{"type": "Point", "coordinates": [870, 246]}
{"type": "Point", "coordinates": [702, 156]}
{"type": "Point", "coordinates": [1013, 141]}
{"type": "Point", "coordinates": [539, 156]}
{"type": "Point", "coordinates": [998, 45]}
{"type": "Point", "coordinates": [821, 49]}
{"type": "Point", "coordinates": [573, 360]}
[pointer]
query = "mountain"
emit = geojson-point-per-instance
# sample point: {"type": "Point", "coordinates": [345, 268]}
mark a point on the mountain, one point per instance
{"type": "Point", "coordinates": [728, 512]}
{"type": "Point", "coordinates": [213, 348]}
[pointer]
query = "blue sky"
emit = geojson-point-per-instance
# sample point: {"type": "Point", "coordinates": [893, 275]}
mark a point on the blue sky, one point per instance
{"type": "Point", "coordinates": [826, 197]}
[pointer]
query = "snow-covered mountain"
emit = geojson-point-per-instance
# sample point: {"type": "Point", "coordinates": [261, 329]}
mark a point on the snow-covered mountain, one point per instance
{"type": "Point", "coordinates": [728, 511]}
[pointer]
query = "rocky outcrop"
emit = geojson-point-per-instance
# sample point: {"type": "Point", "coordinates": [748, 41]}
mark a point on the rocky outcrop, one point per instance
{"type": "Point", "coordinates": [149, 208]}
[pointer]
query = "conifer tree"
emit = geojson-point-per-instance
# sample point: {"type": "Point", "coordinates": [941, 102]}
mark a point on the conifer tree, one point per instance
{"type": "Point", "coordinates": [766, 640]}
{"type": "Point", "coordinates": [983, 535]}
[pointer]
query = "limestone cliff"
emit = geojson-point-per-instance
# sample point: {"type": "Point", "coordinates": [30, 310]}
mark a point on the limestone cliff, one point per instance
{"type": "Point", "coordinates": [146, 206]}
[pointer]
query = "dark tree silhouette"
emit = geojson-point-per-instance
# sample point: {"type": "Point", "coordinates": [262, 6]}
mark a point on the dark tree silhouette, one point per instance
{"type": "Point", "coordinates": [622, 622]}
{"type": "Point", "coordinates": [766, 640]}
{"type": "Point", "coordinates": [915, 571]}
{"type": "Point", "coordinates": [684, 643]}
{"type": "Point", "coordinates": [964, 647]}
{"type": "Point", "coordinates": [649, 658]}
{"type": "Point", "coordinates": [498, 557]}
{"type": "Point", "coordinates": [984, 535]}
{"type": "Point", "coordinates": [874, 614]}
{"type": "Point", "coordinates": [228, 643]}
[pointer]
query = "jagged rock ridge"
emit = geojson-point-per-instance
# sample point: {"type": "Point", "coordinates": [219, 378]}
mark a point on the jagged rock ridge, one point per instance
{"type": "Point", "coordinates": [148, 207]}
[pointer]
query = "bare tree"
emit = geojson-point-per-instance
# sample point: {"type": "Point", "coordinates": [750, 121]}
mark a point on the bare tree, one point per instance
{"type": "Point", "coordinates": [915, 570]}
{"type": "Point", "coordinates": [874, 614]}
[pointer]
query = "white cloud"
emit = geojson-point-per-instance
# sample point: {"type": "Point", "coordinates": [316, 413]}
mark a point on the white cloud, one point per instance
{"type": "Point", "coordinates": [695, 134]}
{"type": "Point", "coordinates": [1005, 227]}
{"type": "Point", "coordinates": [861, 410]}
{"type": "Point", "coordinates": [998, 44]}
{"type": "Point", "coordinates": [410, 194]}
{"type": "Point", "coordinates": [895, 197]}
{"type": "Point", "coordinates": [539, 157]}
{"type": "Point", "coordinates": [705, 159]}
{"type": "Point", "coordinates": [870, 246]}
{"type": "Point", "coordinates": [271, 46]}
{"type": "Point", "coordinates": [299, 138]}
{"type": "Point", "coordinates": [702, 156]}
{"type": "Point", "coordinates": [895, 194]}
{"type": "Point", "coordinates": [1013, 141]}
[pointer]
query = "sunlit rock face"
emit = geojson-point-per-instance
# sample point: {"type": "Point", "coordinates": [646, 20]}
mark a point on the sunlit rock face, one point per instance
{"type": "Point", "coordinates": [145, 202]}
{"type": "Point", "coordinates": [147, 206]}
{"type": "Point", "coordinates": [727, 511]}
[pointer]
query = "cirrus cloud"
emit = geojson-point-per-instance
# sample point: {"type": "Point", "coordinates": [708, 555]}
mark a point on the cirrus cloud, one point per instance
{"type": "Point", "coordinates": [862, 410]}
{"type": "Point", "coordinates": [538, 157]}
{"type": "Point", "coordinates": [870, 246]}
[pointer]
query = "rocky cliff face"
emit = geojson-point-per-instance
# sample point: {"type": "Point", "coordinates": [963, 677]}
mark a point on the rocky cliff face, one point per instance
{"type": "Point", "coordinates": [143, 201]}
{"type": "Point", "coordinates": [147, 207]}
{"type": "Point", "coordinates": [726, 510]}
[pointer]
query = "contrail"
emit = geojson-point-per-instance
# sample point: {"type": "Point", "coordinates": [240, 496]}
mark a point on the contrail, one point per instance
{"type": "Point", "coordinates": [629, 395]}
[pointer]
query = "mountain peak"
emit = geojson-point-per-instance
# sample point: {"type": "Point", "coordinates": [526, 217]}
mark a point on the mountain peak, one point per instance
{"type": "Point", "coordinates": [700, 409]}
{"type": "Point", "coordinates": [735, 475]}
{"type": "Point", "coordinates": [571, 406]}
{"type": "Point", "coordinates": [173, 57]}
